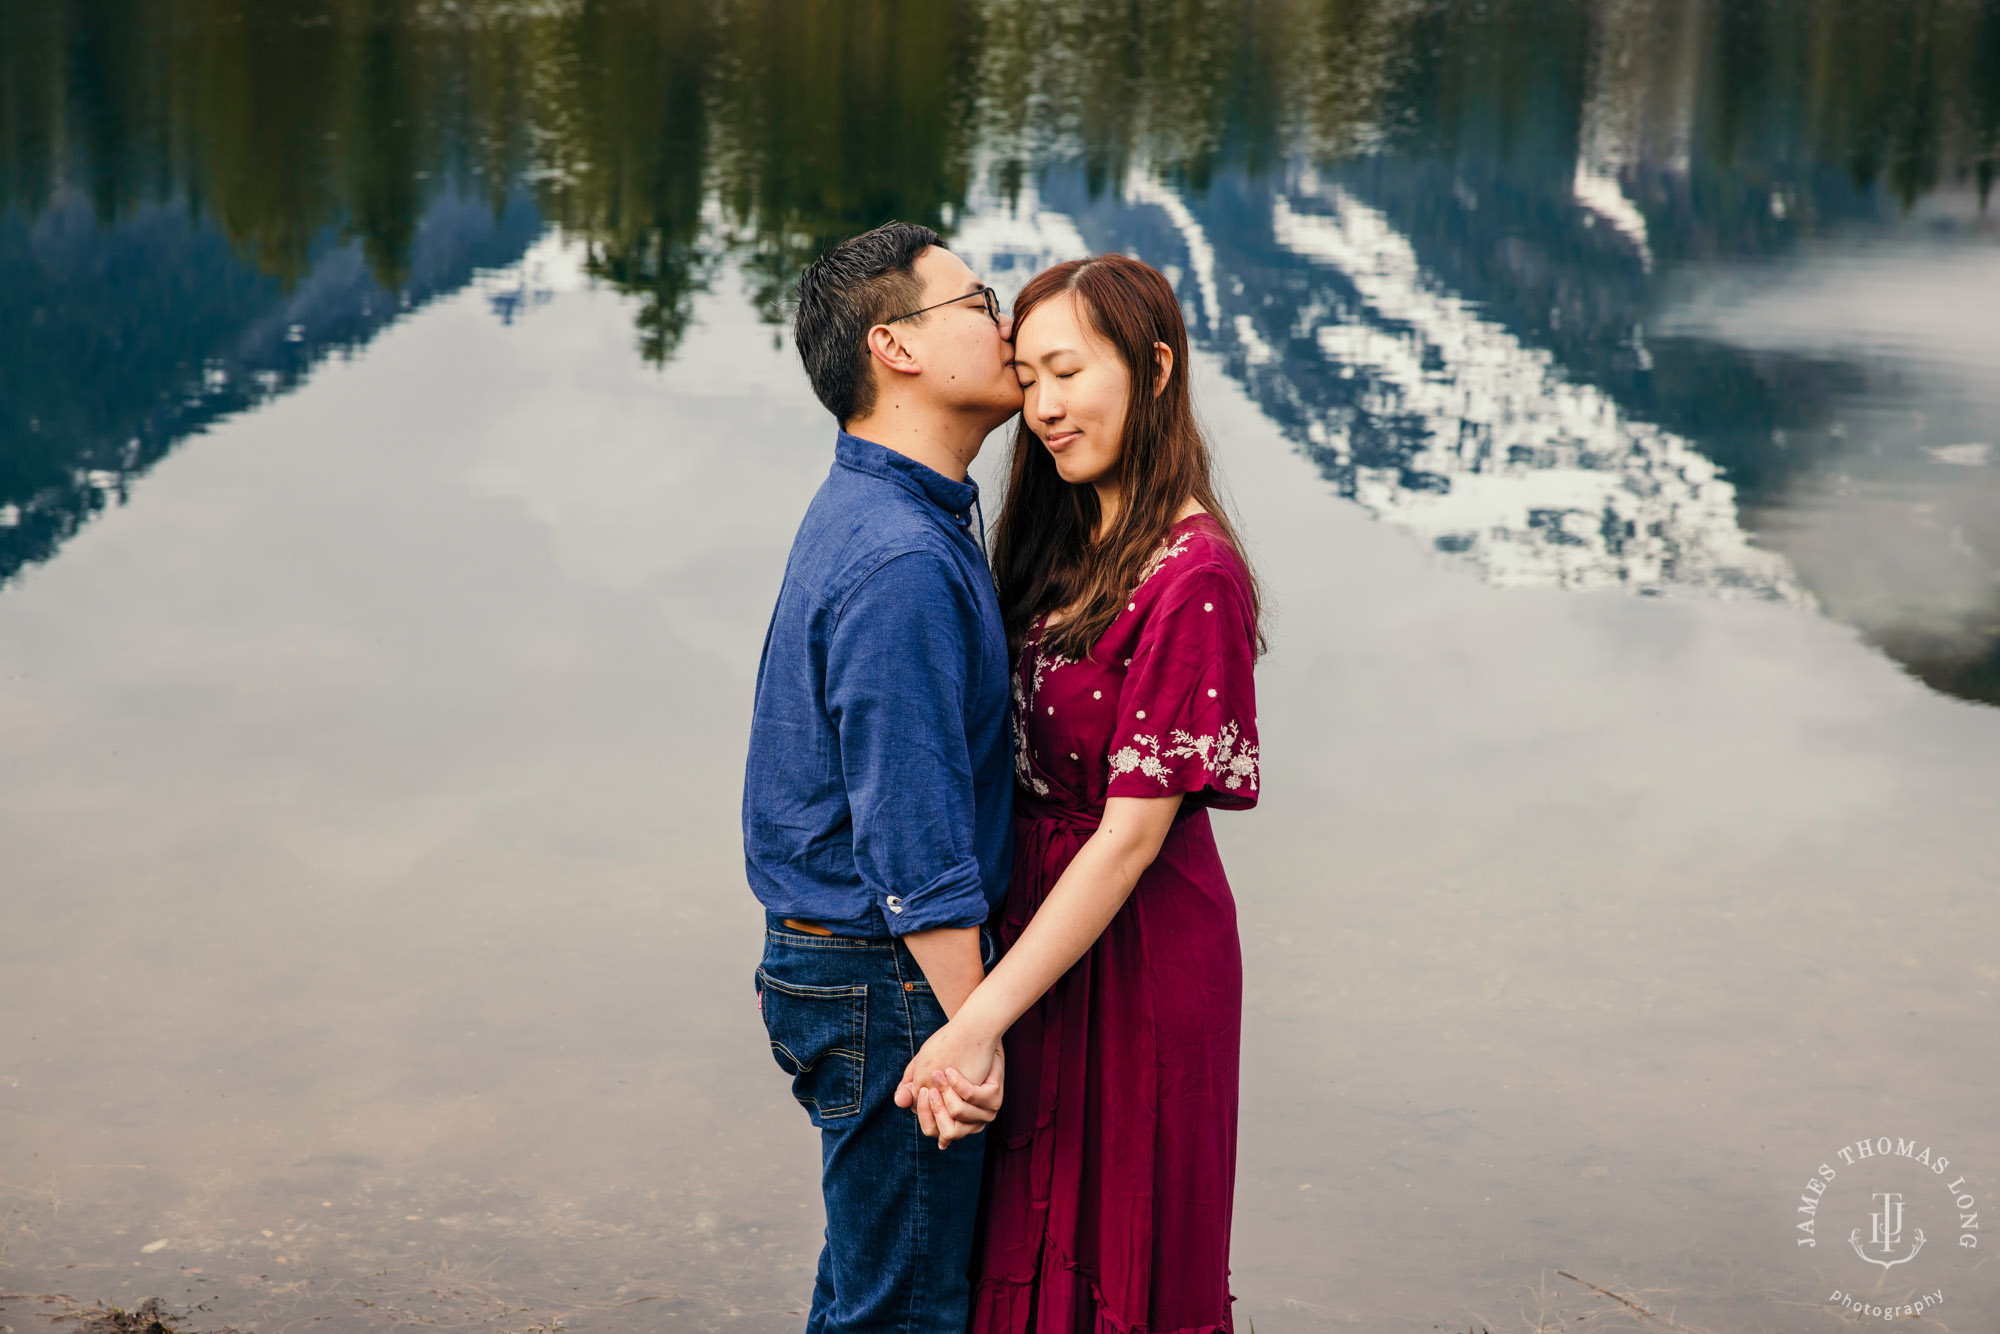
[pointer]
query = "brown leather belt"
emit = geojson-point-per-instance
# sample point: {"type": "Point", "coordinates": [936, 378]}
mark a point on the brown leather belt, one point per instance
{"type": "Point", "coordinates": [844, 933]}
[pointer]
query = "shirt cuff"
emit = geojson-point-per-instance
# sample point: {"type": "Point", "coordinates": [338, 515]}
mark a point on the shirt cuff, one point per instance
{"type": "Point", "coordinates": [954, 899]}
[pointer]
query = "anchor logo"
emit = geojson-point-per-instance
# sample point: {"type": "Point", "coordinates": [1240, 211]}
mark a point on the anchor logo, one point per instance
{"type": "Point", "coordinates": [1887, 1231]}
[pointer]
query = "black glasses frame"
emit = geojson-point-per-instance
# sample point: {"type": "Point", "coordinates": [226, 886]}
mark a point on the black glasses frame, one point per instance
{"type": "Point", "coordinates": [992, 305]}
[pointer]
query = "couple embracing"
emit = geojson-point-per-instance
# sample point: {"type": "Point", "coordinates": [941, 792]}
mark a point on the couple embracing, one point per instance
{"type": "Point", "coordinates": [1000, 962]}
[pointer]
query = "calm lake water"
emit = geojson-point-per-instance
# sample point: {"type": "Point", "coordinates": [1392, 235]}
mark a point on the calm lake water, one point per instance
{"type": "Point", "coordinates": [399, 447]}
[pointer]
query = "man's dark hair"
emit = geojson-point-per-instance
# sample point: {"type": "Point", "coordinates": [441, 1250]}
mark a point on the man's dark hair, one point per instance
{"type": "Point", "coordinates": [847, 291]}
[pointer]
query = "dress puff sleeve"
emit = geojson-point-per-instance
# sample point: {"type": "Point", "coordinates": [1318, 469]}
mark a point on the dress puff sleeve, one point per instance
{"type": "Point", "coordinates": [1187, 716]}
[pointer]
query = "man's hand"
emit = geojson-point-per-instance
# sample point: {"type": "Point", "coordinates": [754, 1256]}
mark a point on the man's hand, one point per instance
{"type": "Point", "coordinates": [936, 1085]}
{"type": "Point", "coordinates": [960, 1107]}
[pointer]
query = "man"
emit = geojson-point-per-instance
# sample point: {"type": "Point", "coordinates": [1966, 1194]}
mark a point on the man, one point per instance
{"type": "Point", "coordinates": [877, 798]}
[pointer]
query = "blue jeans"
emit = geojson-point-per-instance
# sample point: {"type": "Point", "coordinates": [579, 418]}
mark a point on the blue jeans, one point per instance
{"type": "Point", "coordinates": [845, 1016]}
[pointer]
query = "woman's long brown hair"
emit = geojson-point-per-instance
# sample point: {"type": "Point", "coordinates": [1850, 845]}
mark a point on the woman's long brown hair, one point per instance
{"type": "Point", "coordinates": [1043, 556]}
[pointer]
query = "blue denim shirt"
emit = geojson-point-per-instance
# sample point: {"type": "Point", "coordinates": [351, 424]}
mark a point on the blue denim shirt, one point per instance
{"type": "Point", "coordinates": [879, 791]}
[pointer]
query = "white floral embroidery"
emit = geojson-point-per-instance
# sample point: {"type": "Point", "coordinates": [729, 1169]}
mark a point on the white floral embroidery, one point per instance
{"type": "Point", "coordinates": [1024, 703]}
{"type": "Point", "coordinates": [1024, 769]}
{"type": "Point", "coordinates": [1168, 549]}
{"type": "Point", "coordinates": [1127, 758]}
{"type": "Point", "coordinates": [1223, 753]}
{"type": "Point", "coordinates": [1044, 664]}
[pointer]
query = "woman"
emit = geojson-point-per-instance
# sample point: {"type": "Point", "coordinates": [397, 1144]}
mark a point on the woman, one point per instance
{"type": "Point", "coordinates": [1134, 621]}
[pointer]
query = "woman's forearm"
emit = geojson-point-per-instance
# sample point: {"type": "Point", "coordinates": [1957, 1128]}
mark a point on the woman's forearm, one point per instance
{"type": "Point", "coordinates": [1085, 899]}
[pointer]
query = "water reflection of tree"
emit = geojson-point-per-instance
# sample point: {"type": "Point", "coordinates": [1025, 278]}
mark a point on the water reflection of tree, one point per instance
{"type": "Point", "coordinates": [621, 104]}
{"type": "Point", "coordinates": [801, 120]}
{"type": "Point", "coordinates": [834, 115]}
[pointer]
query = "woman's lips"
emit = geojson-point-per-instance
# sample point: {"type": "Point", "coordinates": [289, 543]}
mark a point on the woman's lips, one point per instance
{"type": "Point", "coordinates": [1062, 439]}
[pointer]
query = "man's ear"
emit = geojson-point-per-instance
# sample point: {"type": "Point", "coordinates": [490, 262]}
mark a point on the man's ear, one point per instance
{"type": "Point", "coordinates": [1163, 367]}
{"type": "Point", "coordinates": [889, 351]}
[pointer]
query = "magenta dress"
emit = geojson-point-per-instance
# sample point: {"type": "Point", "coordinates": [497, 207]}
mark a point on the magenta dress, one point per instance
{"type": "Point", "coordinates": [1112, 1167]}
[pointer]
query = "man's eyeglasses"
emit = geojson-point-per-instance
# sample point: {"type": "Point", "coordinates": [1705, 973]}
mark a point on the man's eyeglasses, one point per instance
{"type": "Point", "coordinates": [992, 305]}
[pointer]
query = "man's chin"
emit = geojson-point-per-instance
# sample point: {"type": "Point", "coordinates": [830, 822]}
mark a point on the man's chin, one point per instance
{"type": "Point", "coordinates": [999, 414]}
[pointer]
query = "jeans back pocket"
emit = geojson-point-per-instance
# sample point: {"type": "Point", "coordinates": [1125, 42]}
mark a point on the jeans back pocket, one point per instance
{"type": "Point", "coordinates": [819, 1038]}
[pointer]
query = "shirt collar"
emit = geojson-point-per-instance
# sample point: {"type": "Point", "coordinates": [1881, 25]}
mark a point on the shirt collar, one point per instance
{"type": "Point", "coordinates": [866, 456]}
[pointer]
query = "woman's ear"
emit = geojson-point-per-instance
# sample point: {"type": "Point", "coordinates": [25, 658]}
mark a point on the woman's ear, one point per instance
{"type": "Point", "coordinates": [1163, 367]}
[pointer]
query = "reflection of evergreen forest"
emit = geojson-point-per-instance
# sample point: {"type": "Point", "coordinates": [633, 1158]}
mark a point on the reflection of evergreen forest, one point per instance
{"type": "Point", "coordinates": [197, 200]}
{"type": "Point", "coordinates": [802, 120]}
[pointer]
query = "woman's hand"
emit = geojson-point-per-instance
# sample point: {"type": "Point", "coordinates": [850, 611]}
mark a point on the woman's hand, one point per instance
{"type": "Point", "coordinates": [938, 1084]}
{"type": "Point", "coordinates": [953, 1107]}
{"type": "Point", "coordinates": [957, 1107]}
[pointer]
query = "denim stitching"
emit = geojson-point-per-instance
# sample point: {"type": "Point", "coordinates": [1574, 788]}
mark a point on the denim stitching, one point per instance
{"type": "Point", "coordinates": [826, 942]}
{"type": "Point", "coordinates": [812, 992]}
{"type": "Point", "coordinates": [857, 1034]}
{"type": "Point", "coordinates": [909, 1020]}
{"type": "Point", "coordinates": [920, 1216]}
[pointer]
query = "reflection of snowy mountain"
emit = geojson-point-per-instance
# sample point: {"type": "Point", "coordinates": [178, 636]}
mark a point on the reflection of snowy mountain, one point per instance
{"type": "Point", "coordinates": [1010, 241]}
{"type": "Point", "coordinates": [198, 334]}
{"type": "Point", "coordinates": [1420, 409]}
{"type": "Point", "coordinates": [1482, 361]}
{"type": "Point", "coordinates": [1535, 477]}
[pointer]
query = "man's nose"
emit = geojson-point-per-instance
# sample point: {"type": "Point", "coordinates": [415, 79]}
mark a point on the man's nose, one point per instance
{"type": "Point", "coordinates": [1007, 328]}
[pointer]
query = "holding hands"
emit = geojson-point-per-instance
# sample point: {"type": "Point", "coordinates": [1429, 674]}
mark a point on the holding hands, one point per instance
{"type": "Point", "coordinates": [953, 1084]}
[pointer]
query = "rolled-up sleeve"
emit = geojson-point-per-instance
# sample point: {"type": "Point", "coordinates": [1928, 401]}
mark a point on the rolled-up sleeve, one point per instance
{"type": "Point", "coordinates": [897, 664]}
